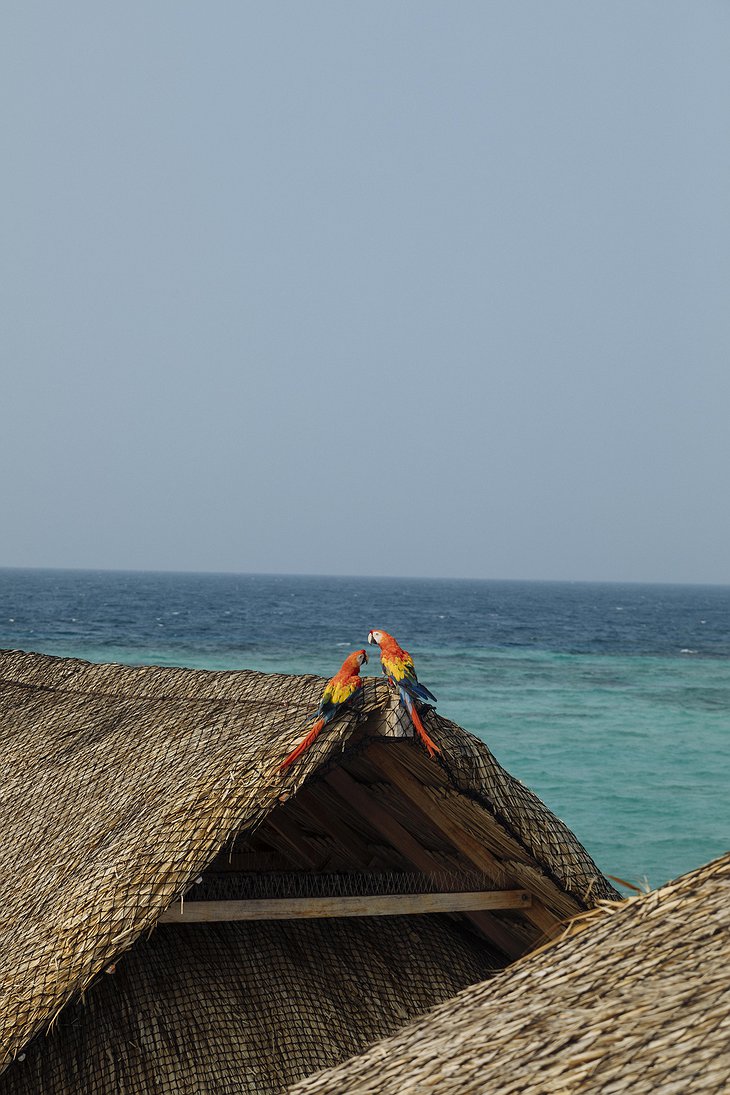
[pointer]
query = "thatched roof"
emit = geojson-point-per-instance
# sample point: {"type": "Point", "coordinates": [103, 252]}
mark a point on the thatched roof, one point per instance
{"type": "Point", "coordinates": [121, 785]}
{"type": "Point", "coordinates": [633, 998]}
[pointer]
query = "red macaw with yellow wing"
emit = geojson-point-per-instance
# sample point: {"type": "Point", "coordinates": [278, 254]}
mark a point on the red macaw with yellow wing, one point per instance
{"type": "Point", "coordinates": [399, 669]}
{"type": "Point", "coordinates": [337, 693]}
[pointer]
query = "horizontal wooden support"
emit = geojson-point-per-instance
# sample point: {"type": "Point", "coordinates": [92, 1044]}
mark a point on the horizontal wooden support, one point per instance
{"type": "Point", "coordinates": [294, 908]}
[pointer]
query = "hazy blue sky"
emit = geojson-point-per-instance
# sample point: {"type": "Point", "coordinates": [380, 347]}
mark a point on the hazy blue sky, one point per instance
{"type": "Point", "coordinates": [385, 288]}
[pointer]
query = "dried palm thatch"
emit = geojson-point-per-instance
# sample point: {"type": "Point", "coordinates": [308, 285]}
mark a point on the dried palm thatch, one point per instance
{"type": "Point", "coordinates": [120, 786]}
{"type": "Point", "coordinates": [246, 1007]}
{"type": "Point", "coordinates": [633, 998]}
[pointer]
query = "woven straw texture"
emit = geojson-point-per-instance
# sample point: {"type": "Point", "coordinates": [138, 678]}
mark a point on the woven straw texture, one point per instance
{"type": "Point", "coordinates": [246, 1007]}
{"type": "Point", "coordinates": [634, 998]}
{"type": "Point", "coordinates": [120, 785]}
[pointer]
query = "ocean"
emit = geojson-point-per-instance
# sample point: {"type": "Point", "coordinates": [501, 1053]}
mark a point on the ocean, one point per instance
{"type": "Point", "coordinates": [612, 702]}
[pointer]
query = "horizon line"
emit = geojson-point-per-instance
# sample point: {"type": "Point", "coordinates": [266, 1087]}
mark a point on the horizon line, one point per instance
{"type": "Point", "coordinates": [368, 577]}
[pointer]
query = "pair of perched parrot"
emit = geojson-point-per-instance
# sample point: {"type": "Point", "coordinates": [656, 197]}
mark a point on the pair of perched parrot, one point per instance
{"type": "Point", "coordinates": [338, 692]}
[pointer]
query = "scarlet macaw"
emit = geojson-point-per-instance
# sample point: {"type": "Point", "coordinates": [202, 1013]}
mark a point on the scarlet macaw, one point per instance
{"type": "Point", "coordinates": [398, 667]}
{"type": "Point", "coordinates": [338, 692]}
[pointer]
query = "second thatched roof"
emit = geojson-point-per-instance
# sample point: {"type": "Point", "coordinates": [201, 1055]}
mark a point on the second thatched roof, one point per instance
{"type": "Point", "coordinates": [634, 998]}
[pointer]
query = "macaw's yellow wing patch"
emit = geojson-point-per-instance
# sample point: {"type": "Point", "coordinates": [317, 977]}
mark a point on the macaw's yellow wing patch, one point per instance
{"type": "Point", "coordinates": [341, 691]}
{"type": "Point", "coordinates": [399, 668]}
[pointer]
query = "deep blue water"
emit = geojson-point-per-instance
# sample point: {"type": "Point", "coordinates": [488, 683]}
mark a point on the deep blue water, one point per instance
{"type": "Point", "coordinates": [611, 701]}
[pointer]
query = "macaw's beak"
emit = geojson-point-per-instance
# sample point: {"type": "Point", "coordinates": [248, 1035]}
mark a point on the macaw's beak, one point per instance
{"type": "Point", "coordinates": [371, 640]}
{"type": "Point", "coordinates": [365, 657]}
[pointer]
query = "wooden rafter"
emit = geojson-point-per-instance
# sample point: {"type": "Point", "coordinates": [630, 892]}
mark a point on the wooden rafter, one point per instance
{"type": "Point", "coordinates": [304, 853]}
{"type": "Point", "coordinates": [335, 826]}
{"type": "Point", "coordinates": [355, 794]}
{"type": "Point", "coordinates": [431, 806]}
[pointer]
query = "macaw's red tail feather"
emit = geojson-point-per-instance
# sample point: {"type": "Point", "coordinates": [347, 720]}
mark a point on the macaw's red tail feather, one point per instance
{"type": "Point", "coordinates": [303, 745]}
{"type": "Point", "coordinates": [421, 729]}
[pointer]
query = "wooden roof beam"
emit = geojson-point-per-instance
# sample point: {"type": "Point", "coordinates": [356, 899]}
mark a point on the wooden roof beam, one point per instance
{"type": "Point", "coordinates": [335, 826]}
{"type": "Point", "coordinates": [355, 794]}
{"type": "Point", "coordinates": [300, 850]}
{"type": "Point", "coordinates": [472, 849]}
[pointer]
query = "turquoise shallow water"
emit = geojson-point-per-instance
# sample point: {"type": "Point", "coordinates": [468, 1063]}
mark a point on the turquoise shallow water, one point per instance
{"type": "Point", "coordinates": [633, 753]}
{"type": "Point", "coordinates": [611, 702]}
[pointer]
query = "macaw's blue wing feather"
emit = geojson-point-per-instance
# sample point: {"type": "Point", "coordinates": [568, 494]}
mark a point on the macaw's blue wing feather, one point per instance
{"type": "Point", "coordinates": [337, 693]}
{"type": "Point", "coordinates": [415, 695]}
{"type": "Point", "coordinates": [326, 710]}
{"type": "Point", "coordinates": [422, 692]}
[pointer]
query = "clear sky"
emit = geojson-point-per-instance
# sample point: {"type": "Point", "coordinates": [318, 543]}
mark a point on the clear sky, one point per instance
{"type": "Point", "coordinates": [378, 287]}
